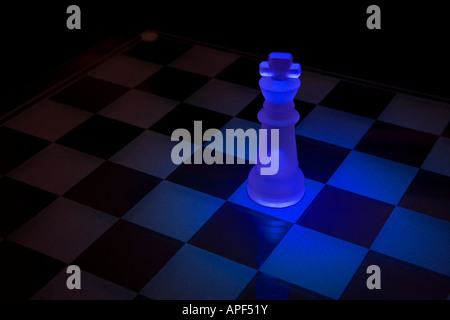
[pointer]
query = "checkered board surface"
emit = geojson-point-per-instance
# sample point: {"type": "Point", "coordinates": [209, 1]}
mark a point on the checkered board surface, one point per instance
{"type": "Point", "coordinates": [86, 178]}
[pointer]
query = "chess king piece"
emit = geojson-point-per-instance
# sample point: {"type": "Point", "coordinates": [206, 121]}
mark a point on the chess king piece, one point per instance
{"type": "Point", "coordinates": [279, 85]}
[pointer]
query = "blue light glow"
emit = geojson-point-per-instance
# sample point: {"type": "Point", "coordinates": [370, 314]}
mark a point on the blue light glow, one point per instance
{"type": "Point", "coordinates": [291, 214]}
{"type": "Point", "coordinates": [315, 261]}
{"type": "Point", "coordinates": [416, 238]}
{"type": "Point", "coordinates": [373, 177]}
{"type": "Point", "coordinates": [334, 126]}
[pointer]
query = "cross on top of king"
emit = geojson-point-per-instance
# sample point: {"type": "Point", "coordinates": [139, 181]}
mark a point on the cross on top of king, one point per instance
{"type": "Point", "coordinates": [280, 67]}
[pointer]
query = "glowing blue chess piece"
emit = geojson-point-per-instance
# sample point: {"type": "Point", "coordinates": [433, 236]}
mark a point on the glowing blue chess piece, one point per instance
{"type": "Point", "coordinates": [279, 85]}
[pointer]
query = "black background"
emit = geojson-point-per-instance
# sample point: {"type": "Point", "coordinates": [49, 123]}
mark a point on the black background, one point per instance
{"type": "Point", "coordinates": [410, 51]}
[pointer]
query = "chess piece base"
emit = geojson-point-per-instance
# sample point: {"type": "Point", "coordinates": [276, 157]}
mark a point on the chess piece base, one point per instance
{"type": "Point", "coordinates": [276, 191]}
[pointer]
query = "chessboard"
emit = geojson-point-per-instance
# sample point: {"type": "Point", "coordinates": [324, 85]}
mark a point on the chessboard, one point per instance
{"type": "Point", "coordinates": [86, 179]}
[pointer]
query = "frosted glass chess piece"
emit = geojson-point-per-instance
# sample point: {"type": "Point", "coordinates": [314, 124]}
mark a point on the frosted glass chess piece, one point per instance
{"type": "Point", "coordinates": [279, 85]}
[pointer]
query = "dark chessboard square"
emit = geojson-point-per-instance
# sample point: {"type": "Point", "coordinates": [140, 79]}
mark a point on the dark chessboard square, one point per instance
{"type": "Point", "coordinates": [250, 112]}
{"type": "Point", "coordinates": [446, 132]}
{"type": "Point", "coordinates": [241, 234]}
{"type": "Point", "coordinates": [266, 287]}
{"type": "Point", "coordinates": [428, 193]}
{"type": "Point", "coordinates": [184, 115]}
{"type": "Point", "coordinates": [90, 94]}
{"type": "Point", "coordinates": [364, 101]}
{"type": "Point", "coordinates": [19, 203]}
{"type": "Point", "coordinates": [346, 216]}
{"type": "Point", "coordinates": [173, 83]}
{"type": "Point", "coordinates": [128, 255]}
{"type": "Point", "coordinates": [100, 136]}
{"type": "Point", "coordinates": [16, 147]}
{"type": "Point", "coordinates": [23, 271]}
{"type": "Point", "coordinates": [112, 188]}
{"type": "Point", "coordinates": [219, 180]}
{"type": "Point", "coordinates": [399, 281]}
{"type": "Point", "coordinates": [161, 51]}
{"type": "Point", "coordinates": [397, 143]}
{"type": "Point", "coordinates": [319, 160]}
{"type": "Point", "coordinates": [243, 71]}
{"type": "Point", "coordinates": [303, 108]}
